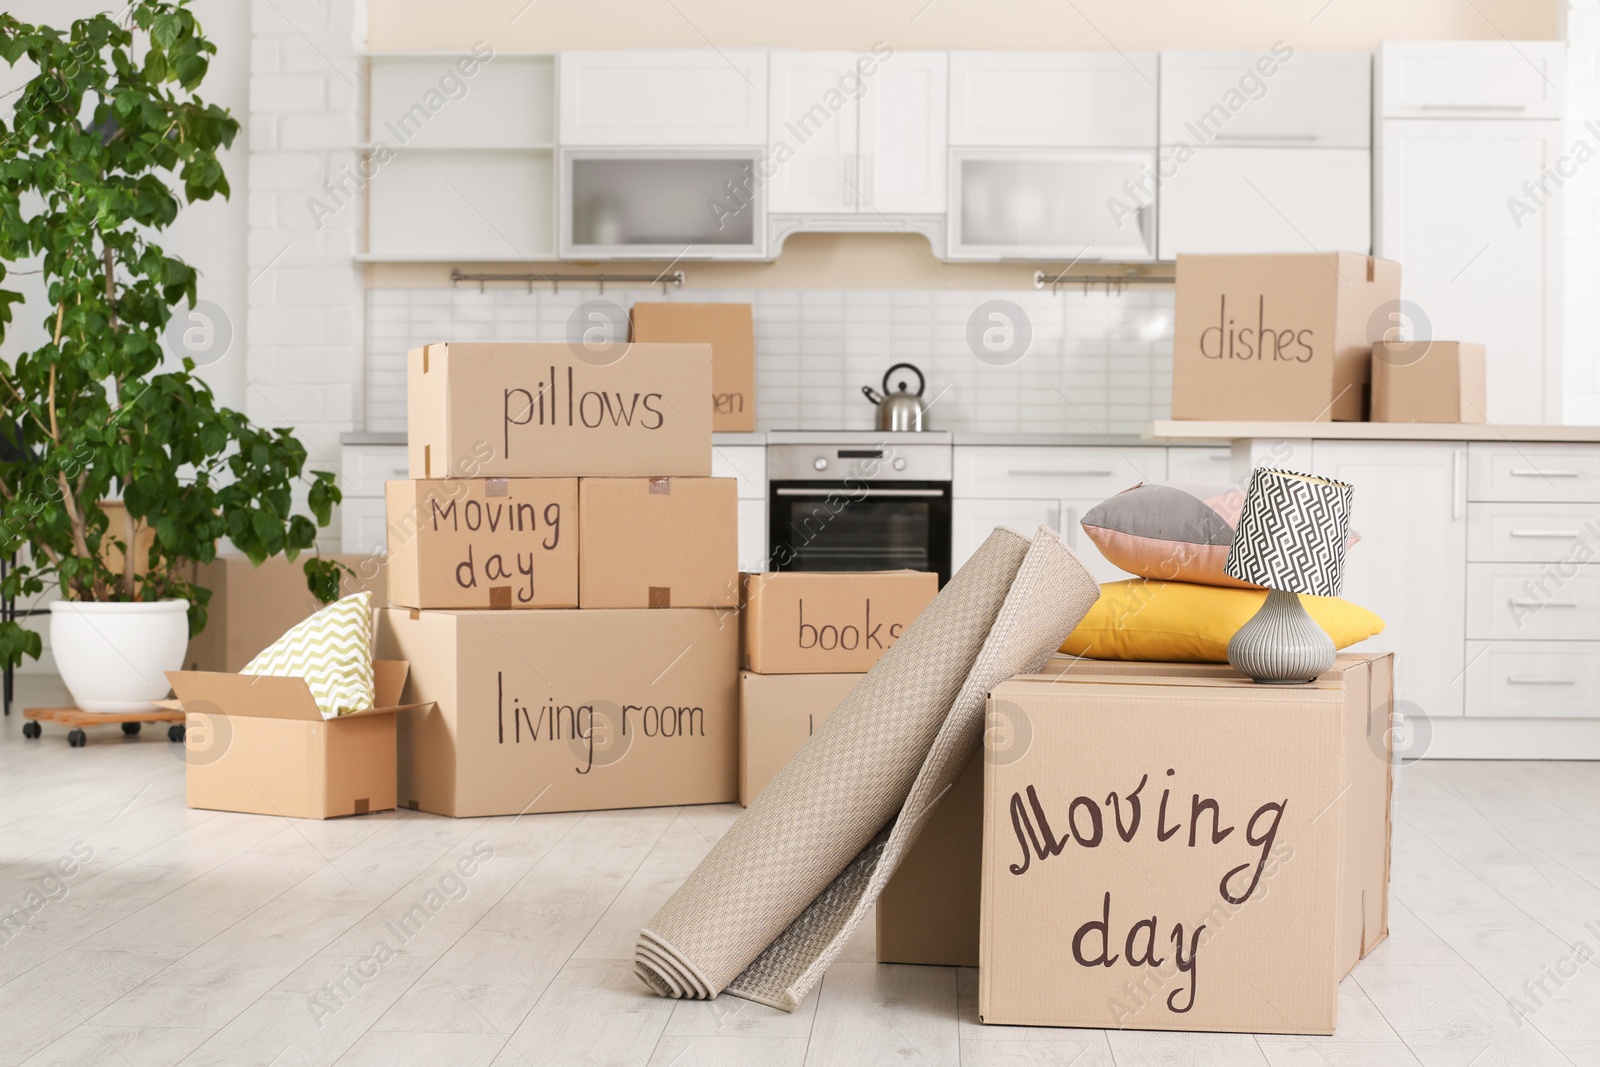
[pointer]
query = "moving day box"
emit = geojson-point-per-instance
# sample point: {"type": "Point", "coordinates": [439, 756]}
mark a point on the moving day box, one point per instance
{"type": "Point", "coordinates": [483, 543]}
{"type": "Point", "coordinates": [565, 710]}
{"type": "Point", "coordinates": [1278, 337]}
{"type": "Point", "coordinates": [252, 606]}
{"type": "Point", "coordinates": [558, 411]}
{"type": "Point", "coordinates": [259, 744]}
{"type": "Point", "coordinates": [778, 713]}
{"type": "Point", "coordinates": [658, 543]}
{"type": "Point", "coordinates": [1285, 790]}
{"type": "Point", "coordinates": [1428, 381]}
{"type": "Point", "coordinates": [730, 332]}
{"type": "Point", "coordinates": [799, 622]}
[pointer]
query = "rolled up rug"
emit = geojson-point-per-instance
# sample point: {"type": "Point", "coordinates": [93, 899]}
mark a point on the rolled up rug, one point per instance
{"type": "Point", "coordinates": [776, 898]}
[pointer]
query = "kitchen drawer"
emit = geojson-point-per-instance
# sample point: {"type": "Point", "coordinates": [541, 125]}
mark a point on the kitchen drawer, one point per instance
{"type": "Point", "coordinates": [1471, 79]}
{"type": "Point", "coordinates": [1566, 473]}
{"type": "Point", "coordinates": [1532, 532]}
{"type": "Point", "coordinates": [1200, 466]}
{"type": "Point", "coordinates": [367, 467]}
{"type": "Point", "coordinates": [1311, 99]}
{"type": "Point", "coordinates": [747, 463]}
{"type": "Point", "coordinates": [990, 473]}
{"type": "Point", "coordinates": [362, 523]}
{"type": "Point", "coordinates": [1533, 601]}
{"type": "Point", "coordinates": [1533, 679]}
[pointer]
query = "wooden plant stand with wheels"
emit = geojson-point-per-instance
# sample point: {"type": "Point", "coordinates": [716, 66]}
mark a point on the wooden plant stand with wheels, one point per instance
{"type": "Point", "coordinates": [77, 720]}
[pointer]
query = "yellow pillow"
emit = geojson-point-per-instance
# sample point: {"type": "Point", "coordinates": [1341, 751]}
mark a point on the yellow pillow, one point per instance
{"type": "Point", "coordinates": [1147, 619]}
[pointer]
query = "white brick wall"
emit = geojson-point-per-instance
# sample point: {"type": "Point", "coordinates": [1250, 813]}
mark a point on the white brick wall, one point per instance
{"type": "Point", "coordinates": [1581, 207]}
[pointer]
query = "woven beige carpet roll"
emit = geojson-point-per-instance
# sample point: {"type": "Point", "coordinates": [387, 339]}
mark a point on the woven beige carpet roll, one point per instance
{"type": "Point", "coordinates": [778, 896]}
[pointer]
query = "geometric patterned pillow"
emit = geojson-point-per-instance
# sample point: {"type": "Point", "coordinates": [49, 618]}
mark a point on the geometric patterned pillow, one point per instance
{"type": "Point", "coordinates": [332, 651]}
{"type": "Point", "coordinates": [1172, 532]}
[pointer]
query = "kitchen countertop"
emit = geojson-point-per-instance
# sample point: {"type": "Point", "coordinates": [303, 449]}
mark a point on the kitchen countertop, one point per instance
{"type": "Point", "coordinates": [1174, 432]}
{"type": "Point", "coordinates": [398, 437]}
{"type": "Point", "coordinates": [960, 437]}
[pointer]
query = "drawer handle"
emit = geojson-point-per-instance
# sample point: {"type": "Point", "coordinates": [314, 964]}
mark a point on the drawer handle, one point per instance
{"type": "Point", "coordinates": [1529, 679]}
{"type": "Point", "coordinates": [1529, 472]}
{"type": "Point", "coordinates": [401, 472]}
{"type": "Point", "coordinates": [1060, 474]}
{"type": "Point", "coordinates": [1474, 107]}
{"type": "Point", "coordinates": [1266, 137]}
{"type": "Point", "coordinates": [1545, 533]}
{"type": "Point", "coordinates": [1519, 602]}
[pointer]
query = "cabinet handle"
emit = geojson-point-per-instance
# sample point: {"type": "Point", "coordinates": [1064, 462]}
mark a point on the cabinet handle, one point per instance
{"type": "Point", "coordinates": [849, 180]}
{"type": "Point", "coordinates": [1528, 679]}
{"type": "Point", "coordinates": [1521, 602]}
{"type": "Point", "coordinates": [1529, 472]}
{"type": "Point", "coordinates": [869, 187]}
{"type": "Point", "coordinates": [1474, 107]}
{"type": "Point", "coordinates": [1572, 534]}
{"type": "Point", "coordinates": [1457, 490]}
{"type": "Point", "coordinates": [1059, 474]}
{"type": "Point", "coordinates": [1267, 137]}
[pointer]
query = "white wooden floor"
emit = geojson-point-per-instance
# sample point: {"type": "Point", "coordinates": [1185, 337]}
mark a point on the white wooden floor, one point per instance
{"type": "Point", "coordinates": [200, 937]}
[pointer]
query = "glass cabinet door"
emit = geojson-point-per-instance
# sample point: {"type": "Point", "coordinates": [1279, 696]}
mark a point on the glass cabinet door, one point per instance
{"type": "Point", "coordinates": [650, 205]}
{"type": "Point", "coordinates": [1070, 203]}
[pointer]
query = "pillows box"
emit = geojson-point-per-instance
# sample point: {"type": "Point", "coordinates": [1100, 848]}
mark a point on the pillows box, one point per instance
{"type": "Point", "coordinates": [1428, 381]}
{"type": "Point", "coordinates": [730, 331]}
{"type": "Point", "coordinates": [252, 606]}
{"type": "Point", "coordinates": [483, 543]}
{"type": "Point", "coordinates": [813, 622]}
{"type": "Point", "coordinates": [531, 711]}
{"type": "Point", "coordinates": [1084, 906]}
{"type": "Point", "coordinates": [259, 744]}
{"type": "Point", "coordinates": [658, 543]}
{"type": "Point", "coordinates": [778, 713]}
{"type": "Point", "coordinates": [1278, 337]}
{"type": "Point", "coordinates": [481, 410]}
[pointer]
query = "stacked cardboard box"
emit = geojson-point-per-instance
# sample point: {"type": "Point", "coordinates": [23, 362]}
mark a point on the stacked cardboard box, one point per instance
{"type": "Point", "coordinates": [563, 581]}
{"type": "Point", "coordinates": [808, 638]}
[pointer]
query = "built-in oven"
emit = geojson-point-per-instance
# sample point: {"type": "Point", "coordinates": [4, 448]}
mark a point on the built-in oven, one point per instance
{"type": "Point", "coordinates": [859, 501]}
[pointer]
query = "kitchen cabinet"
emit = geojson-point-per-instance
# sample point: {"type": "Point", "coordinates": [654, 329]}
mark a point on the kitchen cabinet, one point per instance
{"type": "Point", "coordinates": [664, 98]}
{"type": "Point", "coordinates": [811, 116]}
{"type": "Point", "coordinates": [1482, 258]}
{"type": "Point", "coordinates": [748, 465]}
{"type": "Point", "coordinates": [661, 204]}
{"type": "Point", "coordinates": [904, 129]}
{"type": "Point", "coordinates": [1200, 466]}
{"type": "Point", "coordinates": [1052, 99]}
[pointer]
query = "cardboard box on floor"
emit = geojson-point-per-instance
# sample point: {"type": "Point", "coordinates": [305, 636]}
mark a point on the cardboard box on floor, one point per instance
{"type": "Point", "coordinates": [1278, 337]}
{"type": "Point", "coordinates": [481, 410]}
{"type": "Point", "coordinates": [778, 713]}
{"type": "Point", "coordinates": [1299, 776]}
{"type": "Point", "coordinates": [658, 543]}
{"type": "Point", "coordinates": [730, 332]}
{"type": "Point", "coordinates": [1428, 381]}
{"type": "Point", "coordinates": [812, 622]}
{"type": "Point", "coordinates": [260, 745]}
{"type": "Point", "coordinates": [565, 710]}
{"type": "Point", "coordinates": [251, 606]}
{"type": "Point", "coordinates": [483, 543]}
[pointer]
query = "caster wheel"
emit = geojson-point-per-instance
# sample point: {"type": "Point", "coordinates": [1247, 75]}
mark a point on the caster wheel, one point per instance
{"type": "Point", "coordinates": [31, 730]}
{"type": "Point", "coordinates": [77, 738]}
{"type": "Point", "coordinates": [175, 734]}
{"type": "Point", "coordinates": [130, 728]}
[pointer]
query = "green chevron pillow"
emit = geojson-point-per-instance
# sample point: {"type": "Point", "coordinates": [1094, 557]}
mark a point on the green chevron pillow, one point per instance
{"type": "Point", "coordinates": [332, 651]}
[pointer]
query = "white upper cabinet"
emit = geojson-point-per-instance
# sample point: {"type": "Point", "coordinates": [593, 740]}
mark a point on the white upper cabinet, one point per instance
{"type": "Point", "coordinates": [904, 119]}
{"type": "Point", "coordinates": [813, 118]}
{"type": "Point", "coordinates": [680, 97]}
{"type": "Point", "coordinates": [1269, 97]}
{"type": "Point", "coordinates": [1471, 79]}
{"type": "Point", "coordinates": [1052, 99]}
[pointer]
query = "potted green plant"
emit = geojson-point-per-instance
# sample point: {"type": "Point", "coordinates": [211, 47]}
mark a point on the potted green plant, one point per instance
{"type": "Point", "coordinates": [107, 141]}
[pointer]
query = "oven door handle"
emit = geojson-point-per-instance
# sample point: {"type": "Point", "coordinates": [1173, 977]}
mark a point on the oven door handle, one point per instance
{"type": "Point", "coordinates": [925, 494]}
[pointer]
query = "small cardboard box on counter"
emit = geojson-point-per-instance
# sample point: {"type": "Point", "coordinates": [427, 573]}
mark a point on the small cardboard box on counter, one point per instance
{"type": "Point", "coordinates": [1278, 337]}
{"type": "Point", "coordinates": [252, 606]}
{"type": "Point", "coordinates": [483, 543]}
{"type": "Point", "coordinates": [1428, 381]}
{"type": "Point", "coordinates": [259, 744]}
{"type": "Point", "coordinates": [530, 711]}
{"type": "Point", "coordinates": [1163, 847]}
{"type": "Point", "coordinates": [658, 543]}
{"type": "Point", "coordinates": [778, 713]}
{"type": "Point", "coordinates": [835, 622]}
{"type": "Point", "coordinates": [482, 410]}
{"type": "Point", "coordinates": [730, 332]}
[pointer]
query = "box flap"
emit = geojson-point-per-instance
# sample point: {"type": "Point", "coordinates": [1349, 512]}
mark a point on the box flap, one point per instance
{"type": "Point", "coordinates": [388, 680]}
{"type": "Point", "coordinates": [263, 695]}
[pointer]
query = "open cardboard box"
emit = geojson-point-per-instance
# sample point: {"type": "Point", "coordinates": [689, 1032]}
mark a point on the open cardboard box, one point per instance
{"type": "Point", "coordinates": [259, 744]}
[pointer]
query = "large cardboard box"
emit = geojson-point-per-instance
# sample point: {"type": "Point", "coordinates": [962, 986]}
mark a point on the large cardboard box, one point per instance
{"type": "Point", "coordinates": [565, 710]}
{"type": "Point", "coordinates": [778, 713]}
{"type": "Point", "coordinates": [1278, 337]}
{"type": "Point", "coordinates": [730, 331]}
{"type": "Point", "coordinates": [259, 744]}
{"type": "Point", "coordinates": [1302, 771]}
{"type": "Point", "coordinates": [483, 543]}
{"type": "Point", "coordinates": [658, 543]}
{"type": "Point", "coordinates": [1428, 381]}
{"type": "Point", "coordinates": [252, 606]}
{"type": "Point", "coordinates": [481, 410]}
{"type": "Point", "coordinates": [814, 622]}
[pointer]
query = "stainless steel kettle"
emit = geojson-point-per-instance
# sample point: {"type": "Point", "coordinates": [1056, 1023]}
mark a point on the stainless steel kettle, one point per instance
{"type": "Point", "coordinates": [898, 410]}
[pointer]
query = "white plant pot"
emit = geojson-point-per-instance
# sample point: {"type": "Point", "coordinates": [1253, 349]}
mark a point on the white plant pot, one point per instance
{"type": "Point", "coordinates": [114, 657]}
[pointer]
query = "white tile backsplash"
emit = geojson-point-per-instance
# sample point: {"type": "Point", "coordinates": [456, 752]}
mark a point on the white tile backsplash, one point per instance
{"type": "Point", "coordinates": [1098, 362]}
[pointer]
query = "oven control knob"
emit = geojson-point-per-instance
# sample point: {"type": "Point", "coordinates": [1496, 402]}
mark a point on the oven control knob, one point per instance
{"type": "Point", "coordinates": [820, 463]}
{"type": "Point", "coordinates": [899, 463]}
